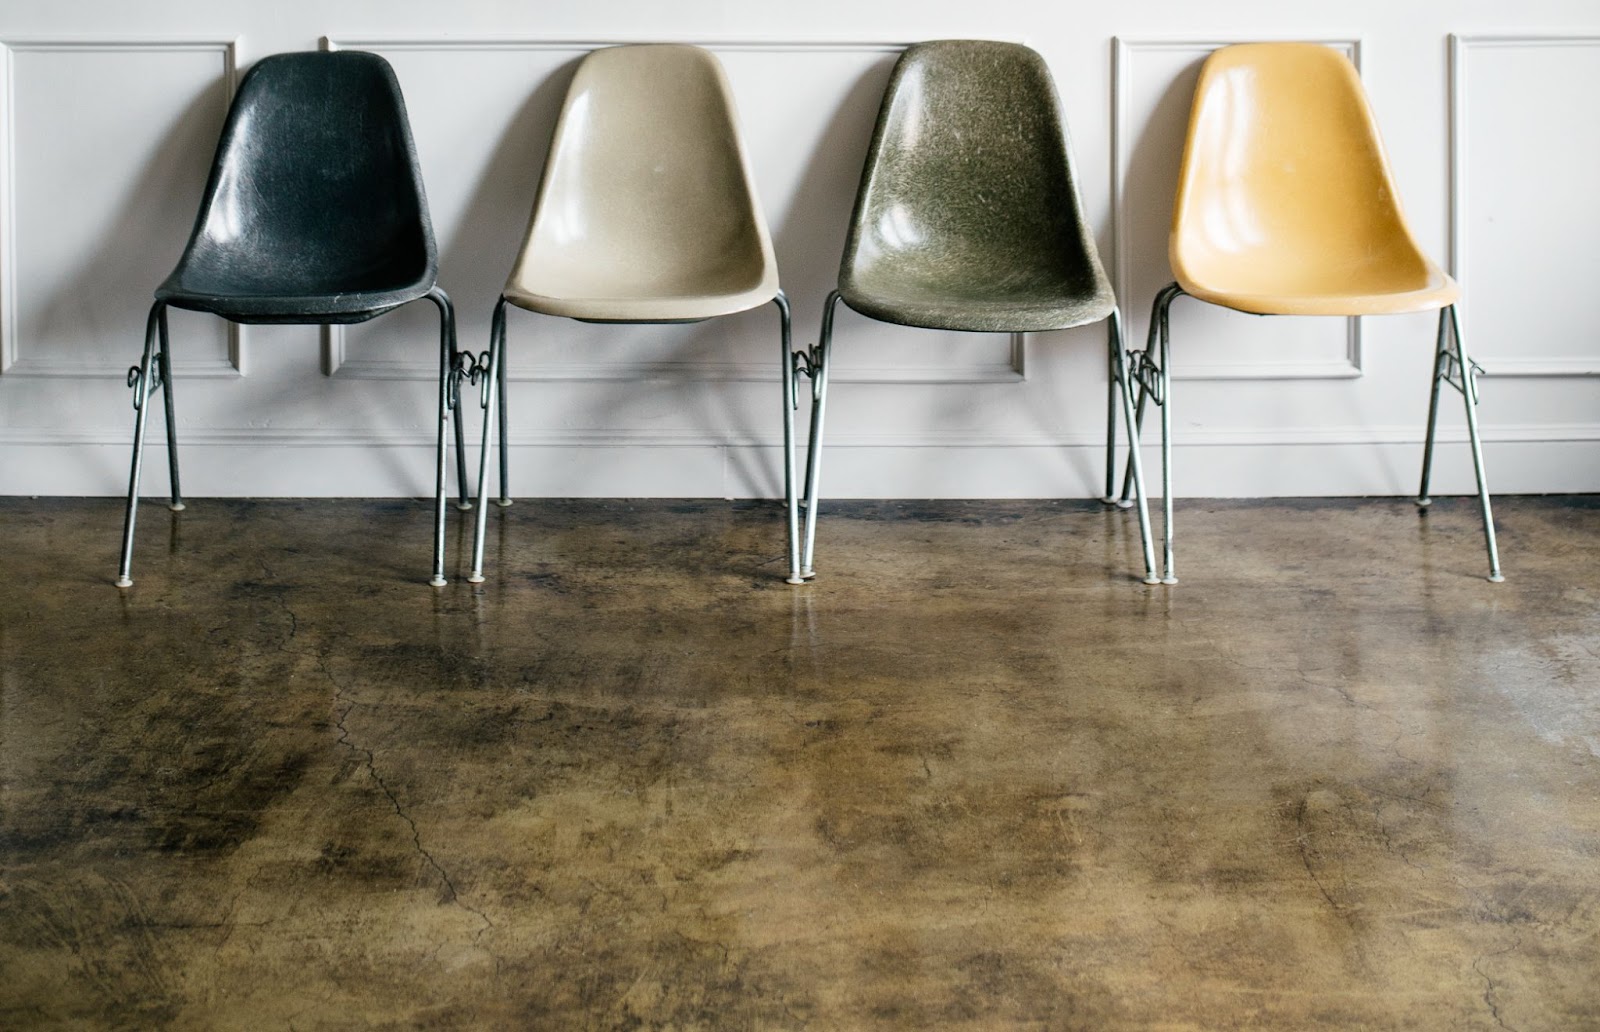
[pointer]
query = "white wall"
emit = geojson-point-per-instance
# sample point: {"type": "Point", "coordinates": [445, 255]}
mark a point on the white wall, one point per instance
{"type": "Point", "coordinates": [110, 112]}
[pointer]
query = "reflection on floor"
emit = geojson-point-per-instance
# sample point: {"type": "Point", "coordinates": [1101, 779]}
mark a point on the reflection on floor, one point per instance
{"type": "Point", "coordinates": [976, 776]}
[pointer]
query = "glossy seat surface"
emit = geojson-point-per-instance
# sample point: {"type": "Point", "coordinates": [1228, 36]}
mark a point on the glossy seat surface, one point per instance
{"type": "Point", "coordinates": [968, 217]}
{"type": "Point", "coordinates": [646, 211]}
{"type": "Point", "coordinates": [1285, 204]}
{"type": "Point", "coordinates": [314, 210]}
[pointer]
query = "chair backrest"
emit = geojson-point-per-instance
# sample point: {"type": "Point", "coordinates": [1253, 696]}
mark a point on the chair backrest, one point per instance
{"type": "Point", "coordinates": [968, 189]}
{"type": "Point", "coordinates": [1285, 188]}
{"type": "Point", "coordinates": [315, 188]}
{"type": "Point", "coordinates": [647, 194]}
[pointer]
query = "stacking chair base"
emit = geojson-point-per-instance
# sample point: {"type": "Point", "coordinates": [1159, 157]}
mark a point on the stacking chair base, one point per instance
{"type": "Point", "coordinates": [1451, 365]}
{"type": "Point", "coordinates": [155, 369]}
{"type": "Point", "coordinates": [488, 373]}
{"type": "Point", "coordinates": [814, 362]}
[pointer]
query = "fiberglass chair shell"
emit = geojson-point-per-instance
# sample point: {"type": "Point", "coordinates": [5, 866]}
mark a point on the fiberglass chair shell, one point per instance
{"type": "Point", "coordinates": [1286, 206]}
{"type": "Point", "coordinates": [968, 218]}
{"type": "Point", "coordinates": [314, 213]}
{"type": "Point", "coordinates": [646, 214]}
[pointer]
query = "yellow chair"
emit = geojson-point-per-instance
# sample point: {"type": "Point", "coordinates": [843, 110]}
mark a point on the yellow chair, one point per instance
{"type": "Point", "coordinates": [1286, 206]}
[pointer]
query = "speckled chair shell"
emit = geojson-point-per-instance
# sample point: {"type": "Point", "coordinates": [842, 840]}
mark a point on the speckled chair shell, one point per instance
{"type": "Point", "coordinates": [647, 212]}
{"type": "Point", "coordinates": [314, 213]}
{"type": "Point", "coordinates": [968, 218]}
{"type": "Point", "coordinates": [1286, 206]}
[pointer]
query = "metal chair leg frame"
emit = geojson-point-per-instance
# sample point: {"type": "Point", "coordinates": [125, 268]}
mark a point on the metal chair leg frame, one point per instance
{"type": "Point", "coordinates": [1110, 497]}
{"type": "Point", "coordinates": [463, 494]}
{"type": "Point", "coordinates": [791, 401]}
{"type": "Point", "coordinates": [1155, 384]}
{"type": "Point", "coordinates": [1452, 365]}
{"type": "Point", "coordinates": [447, 369]}
{"type": "Point", "coordinates": [1120, 373]}
{"type": "Point", "coordinates": [505, 449]}
{"type": "Point", "coordinates": [139, 378]}
{"type": "Point", "coordinates": [815, 365]}
{"type": "Point", "coordinates": [164, 357]}
{"type": "Point", "coordinates": [487, 398]}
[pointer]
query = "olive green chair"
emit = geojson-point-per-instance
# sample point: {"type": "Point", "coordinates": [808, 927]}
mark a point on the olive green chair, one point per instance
{"type": "Point", "coordinates": [968, 218]}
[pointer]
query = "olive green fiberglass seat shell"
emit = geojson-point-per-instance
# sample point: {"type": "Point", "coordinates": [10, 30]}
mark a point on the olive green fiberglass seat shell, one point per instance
{"type": "Point", "coordinates": [1286, 206]}
{"type": "Point", "coordinates": [968, 217]}
{"type": "Point", "coordinates": [647, 212]}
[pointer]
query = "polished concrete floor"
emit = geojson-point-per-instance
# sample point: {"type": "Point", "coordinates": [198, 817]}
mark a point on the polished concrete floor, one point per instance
{"type": "Point", "coordinates": [976, 776]}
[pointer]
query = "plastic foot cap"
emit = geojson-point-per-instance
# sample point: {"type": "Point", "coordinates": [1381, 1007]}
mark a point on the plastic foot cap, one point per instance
{"type": "Point", "coordinates": [464, 506]}
{"type": "Point", "coordinates": [438, 582]}
{"type": "Point", "coordinates": [1496, 578]}
{"type": "Point", "coordinates": [476, 578]}
{"type": "Point", "coordinates": [1152, 580]}
{"type": "Point", "coordinates": [1423, 503]}
{"type": "Point", "coordinates": [1124, 503]}
{"type": "Point", "coordinates": [795, 580]}
{"type": "Point", "coordinates": [502, 502]}
{"type": "Point", "coordinates": [1169, 579]}
{"type": "Point", "coordinates": [124, 582]}
{"type": "Point", "coordinates": [1109, 499]}
{"type": "Point", "coordinates": [176, 506]}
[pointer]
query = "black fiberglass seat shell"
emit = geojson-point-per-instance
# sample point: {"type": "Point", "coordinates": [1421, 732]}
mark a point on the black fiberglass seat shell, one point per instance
{"type": "Point", "coordinates": [315, 210]}
{"type": "Point", "coordinates": [968, 217]}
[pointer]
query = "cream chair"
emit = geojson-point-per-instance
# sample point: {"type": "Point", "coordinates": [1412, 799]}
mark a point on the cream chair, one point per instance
{"type": "Point", "coordinates": [646, 214]}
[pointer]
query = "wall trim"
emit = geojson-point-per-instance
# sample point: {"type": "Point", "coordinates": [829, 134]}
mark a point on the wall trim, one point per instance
{"type": "Point", "coordinates": [1218, 437]}
{"type": "Point", "coordinates": [1123, 50]}
{"type": "Point", "coordinates": [12, 361]}
{"type": "Point", "coordinates": [1460, 45]}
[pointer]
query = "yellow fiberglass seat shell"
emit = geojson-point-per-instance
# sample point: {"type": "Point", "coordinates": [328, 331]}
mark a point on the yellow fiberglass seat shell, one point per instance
{"type": "Point", "coordinates": [646, 212]}
{"type": "Point", "coordinates": [967, 217]}
{"type": "Point", "coordinates": [1285, 202]}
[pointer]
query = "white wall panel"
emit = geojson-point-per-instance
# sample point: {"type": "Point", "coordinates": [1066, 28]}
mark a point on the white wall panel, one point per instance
{"type": "Point", "coordinates": [110, 112]}
{"type": "Point", "coordinates": [1524, 154]}
{"type": "Point", "coordinates": [106, 144]}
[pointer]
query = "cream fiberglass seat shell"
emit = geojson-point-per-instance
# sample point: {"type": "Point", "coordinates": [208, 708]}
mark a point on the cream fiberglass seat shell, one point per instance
{"type": "Point", "coordinates": [646, 212]}
{"type": "Point", "coordinates": [1286, 206]}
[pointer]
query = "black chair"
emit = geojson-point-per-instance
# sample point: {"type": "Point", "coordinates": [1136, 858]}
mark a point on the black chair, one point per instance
{"type": "Point", "coordinates": [314, 213]}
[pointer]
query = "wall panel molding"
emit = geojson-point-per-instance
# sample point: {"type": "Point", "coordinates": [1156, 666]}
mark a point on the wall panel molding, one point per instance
{"type": "Point", "coordinates": [1124, 53]}
{"type": "Point", "coordinates": [1462, 47]}
{"type": "Point", "coordinates": [14, 359]}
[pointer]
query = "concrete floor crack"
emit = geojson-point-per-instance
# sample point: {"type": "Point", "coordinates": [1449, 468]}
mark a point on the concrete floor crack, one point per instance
{"type": "Point", "coordinates": [342, 708]}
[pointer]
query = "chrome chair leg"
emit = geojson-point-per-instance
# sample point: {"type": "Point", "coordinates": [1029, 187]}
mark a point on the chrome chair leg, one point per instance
{"type": "Point", "coordinates": [164, 357]}
{"type": "Point", "coordinates": [1110, 497]}
{"type": "Point", "coordinates": [1164, 399]}
{"type": "Point", "coordinates": [505, 448]}
{"type": "Point", "coordinates": [487, 398]}
{"type": "Point", "coordinates": [1119, 372]}
{"type": "Point", "coordinates": [447, 366]}
{"type": "Point", "coordinates": [791, 401]}
{"type": "Point", "coordinates": [1441, 359]}
{"type": "Point", "coordinates": [816, 365]}
{"type": "Point", "coordinates": [463, 493]}
{"type": "Point", "coordinates": [139, 378]}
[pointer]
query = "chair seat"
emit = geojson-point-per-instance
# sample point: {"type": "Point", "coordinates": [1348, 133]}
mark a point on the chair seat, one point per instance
{"type": "Point", "coordinates": [352, 307]}
{"type": "Point", "coordinates": [948, 306]}
{"type": "Point", "coordinates": [1361, 298]}
{"type": "Point", "coordinates": [648, 303]}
